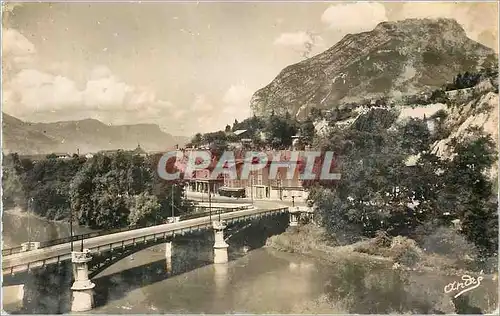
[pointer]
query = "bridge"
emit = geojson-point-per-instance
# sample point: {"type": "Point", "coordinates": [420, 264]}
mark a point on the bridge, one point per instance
{"type": "Point", "coordinates": [95, 253]}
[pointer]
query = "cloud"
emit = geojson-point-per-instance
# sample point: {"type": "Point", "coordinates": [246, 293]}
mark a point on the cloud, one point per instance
{"type": "Point", "coordinates": [17, 50]}
{"type": "Point", "coordinates": [204, 115]}
{"type": "Point", "coordinates": [292, 39]}
{"type": "Point", "coordinates": [354, 17]}
{"type": "Point", "coordinates": [303, 42]}
{"type": "Point", "coordinates": [30, 91]}
{"type": "Point", "coordinates": [237, 95]}
{"type": "Point", "coordinates": [202, 105]}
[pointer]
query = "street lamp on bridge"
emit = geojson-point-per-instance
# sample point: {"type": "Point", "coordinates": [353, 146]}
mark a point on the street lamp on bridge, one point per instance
{"type": "Point", "coordinates": [30, 205]}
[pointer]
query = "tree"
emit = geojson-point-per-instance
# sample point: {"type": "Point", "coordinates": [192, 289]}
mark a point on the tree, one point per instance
{"type": "Point", "coordinates": [235, 125]}
{"type": "Point", "coordinates": [13, 193]}
{"type": "Point", "coordinates": [377, 187]}
{"type": "Point", "coordinates": [439, 96]}
{"type": "Point", "coordinates": [197, 140]}
{"type": "Point", "coordinates": [470, 193]}
{"type": "Point", "coordinates": [316, 114]}
{"type": "Point", "coordinates": [415, 136]}
{"type": "Point", "coordinates": [144, 207]}
{"type": "Point", "coordinates": [280, 131]}
{"type": "Point", "coordinates": [100, 191]}
{"type": "Point", "coordinates": [307, 131]}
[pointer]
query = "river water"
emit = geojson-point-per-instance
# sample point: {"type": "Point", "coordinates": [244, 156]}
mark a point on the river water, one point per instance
{"type": "Point", "coordinates": [258, 281]}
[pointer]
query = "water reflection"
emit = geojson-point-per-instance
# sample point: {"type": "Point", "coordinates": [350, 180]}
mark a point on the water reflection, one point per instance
{"type": "Point", "coordinates": [261, 281]}
{"type": "Point", "coordinates": [220, 279]}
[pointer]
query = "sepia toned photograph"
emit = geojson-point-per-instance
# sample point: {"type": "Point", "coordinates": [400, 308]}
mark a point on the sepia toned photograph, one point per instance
{"type": "Point", "coordinates": [250, 157]}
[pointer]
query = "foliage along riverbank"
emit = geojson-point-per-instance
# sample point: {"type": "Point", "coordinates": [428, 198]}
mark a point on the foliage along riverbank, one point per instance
{"type": "Point", "coordinates": [391, 275]}
{"type": "Point", "coordinates": [104, 191]}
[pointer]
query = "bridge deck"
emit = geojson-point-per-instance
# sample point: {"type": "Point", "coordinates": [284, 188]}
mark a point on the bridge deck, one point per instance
{"type": "Point", "coordinates": [23, 261]}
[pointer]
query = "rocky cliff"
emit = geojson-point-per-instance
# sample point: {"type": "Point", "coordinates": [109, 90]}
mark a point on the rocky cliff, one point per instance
{"type": "Point", "coordinates": [394, 59]}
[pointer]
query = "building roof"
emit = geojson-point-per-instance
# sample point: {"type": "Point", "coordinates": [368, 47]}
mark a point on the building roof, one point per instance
{"type": "Point", "coordinates": [239, 131]}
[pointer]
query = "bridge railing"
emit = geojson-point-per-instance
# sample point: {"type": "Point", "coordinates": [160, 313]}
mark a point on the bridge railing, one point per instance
{"type": "Point", "coordinates": [75, 238]}
{"type": "Point", "coordinates": [9, 251]}
{"type": "Point", "coordinates": [211, 211]}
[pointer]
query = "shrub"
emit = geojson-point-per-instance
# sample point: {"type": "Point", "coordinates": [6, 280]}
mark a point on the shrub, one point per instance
{"type": "Point", "coordinates": [447, 241]}
{"type": "Point", "coordinates": [382, 239]}
{"type": "Point", "coordinates": [405, 251]}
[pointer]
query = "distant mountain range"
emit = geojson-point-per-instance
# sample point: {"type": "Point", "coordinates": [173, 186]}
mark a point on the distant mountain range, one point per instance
{"type": "Point", "coordinates": [85, 135]}
{"type": "Point", "coordinates": [394, 59]}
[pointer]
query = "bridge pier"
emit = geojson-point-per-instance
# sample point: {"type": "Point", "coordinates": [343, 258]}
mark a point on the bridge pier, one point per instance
{"type": "Point", "coordinates": [83, 293]}
{"type": "Point", "coordinates": [168, 256]}
{"type": "Point", "coordinates": [220, 245]}
{"type": "Point", "coordinates": [294, 216]}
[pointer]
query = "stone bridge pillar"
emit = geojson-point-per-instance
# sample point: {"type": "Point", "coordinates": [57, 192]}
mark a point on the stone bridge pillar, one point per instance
{"type": "Point", "coordinates": [220, 245]}
{"type": "Point", "coordinates": [294, 216]}
{"type": "Point", "coordinates": [28, 246]}
{"type": "Point", "coordinates": [168, 256]}
{"type": "Point", "coordinates": [83, 294]}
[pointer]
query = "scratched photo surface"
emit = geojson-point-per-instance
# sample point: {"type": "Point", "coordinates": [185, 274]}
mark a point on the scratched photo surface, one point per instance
{"type": "Point", "coordinates": [251, 157]}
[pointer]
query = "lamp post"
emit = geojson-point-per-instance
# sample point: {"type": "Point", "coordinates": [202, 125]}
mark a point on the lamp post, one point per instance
{"type": "Point", "coordinates": [209, 201]}
{"type": "Point", "coordinates": [172, 189]}
{"type": "Point", "coordinates": [71, 227]}
{"type": "Point", "coordinates": [251, 186]}
{"type": "Point", "coordinates": [30, 205]}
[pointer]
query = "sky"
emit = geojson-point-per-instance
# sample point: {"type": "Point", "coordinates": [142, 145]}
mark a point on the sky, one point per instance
{"type": "Point", "coordinates": [188, 67]}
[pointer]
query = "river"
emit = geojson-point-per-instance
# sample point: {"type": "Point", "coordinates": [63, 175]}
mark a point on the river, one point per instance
{"type": "Point", "coordinates": [258, 281]}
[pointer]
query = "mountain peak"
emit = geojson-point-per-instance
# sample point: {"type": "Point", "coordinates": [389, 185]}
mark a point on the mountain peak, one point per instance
{"type": "Point", "coordinates": [400, 57]}
{"type": "Point", "coordinates": [415, 25]}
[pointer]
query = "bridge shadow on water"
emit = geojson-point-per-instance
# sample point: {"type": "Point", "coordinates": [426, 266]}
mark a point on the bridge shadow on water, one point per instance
{"type": "Point", "coordinates": [188, 253]}
{"type": "Point", "coordinates": [48, 291]}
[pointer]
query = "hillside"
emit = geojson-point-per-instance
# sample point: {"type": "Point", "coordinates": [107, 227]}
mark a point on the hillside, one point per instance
{"type": "Point", "coordinates": [394, 59]}
{"type": "Point", "coordinates": [87, 135]}
{"type": "Point", "coordinates": [18, 136]}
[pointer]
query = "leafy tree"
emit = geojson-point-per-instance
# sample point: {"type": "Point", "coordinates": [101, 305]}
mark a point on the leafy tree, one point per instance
{"type": "Point", "coordinates": [235, 125]}
{"type": "Point", "coordinates": [315, 114]}
{"type": "Point", "coordinates": [100, 191]}
{"type": "Point", "coordinates": [469, 192]}
{"type": "Point", "coordinates": [13, 193]}
{"type": "Point", "coordinates": [307, 131]}
{"type": "Point", "coordinates": [415, 136]}
{"type": "Point", "coordinates": [378, 188]}
{"type": "Point", "coordinates": [144, 207]}
{"type": "Point", "coordinates": [280, 131]}
{"type": "Point", "coordinates": [439, 96]}
{"type": "Point", "coordinates": [197, 139]}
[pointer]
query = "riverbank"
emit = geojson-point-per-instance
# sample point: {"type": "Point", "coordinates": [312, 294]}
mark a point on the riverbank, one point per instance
{"type": "Point", "coordinates": [19, 212]}
{"type": "Point", "coordinates": [19, 227]}
{"type": "Point", "coordinates": [396, 264]}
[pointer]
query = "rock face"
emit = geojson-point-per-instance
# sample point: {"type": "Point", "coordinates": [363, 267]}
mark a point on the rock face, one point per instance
{"type": "Point", "coordinates": [394, 59]}
{"type": "Point", "coordinates": [478, 108]}
{"type": "Point", "coordinates": [86, 135]}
